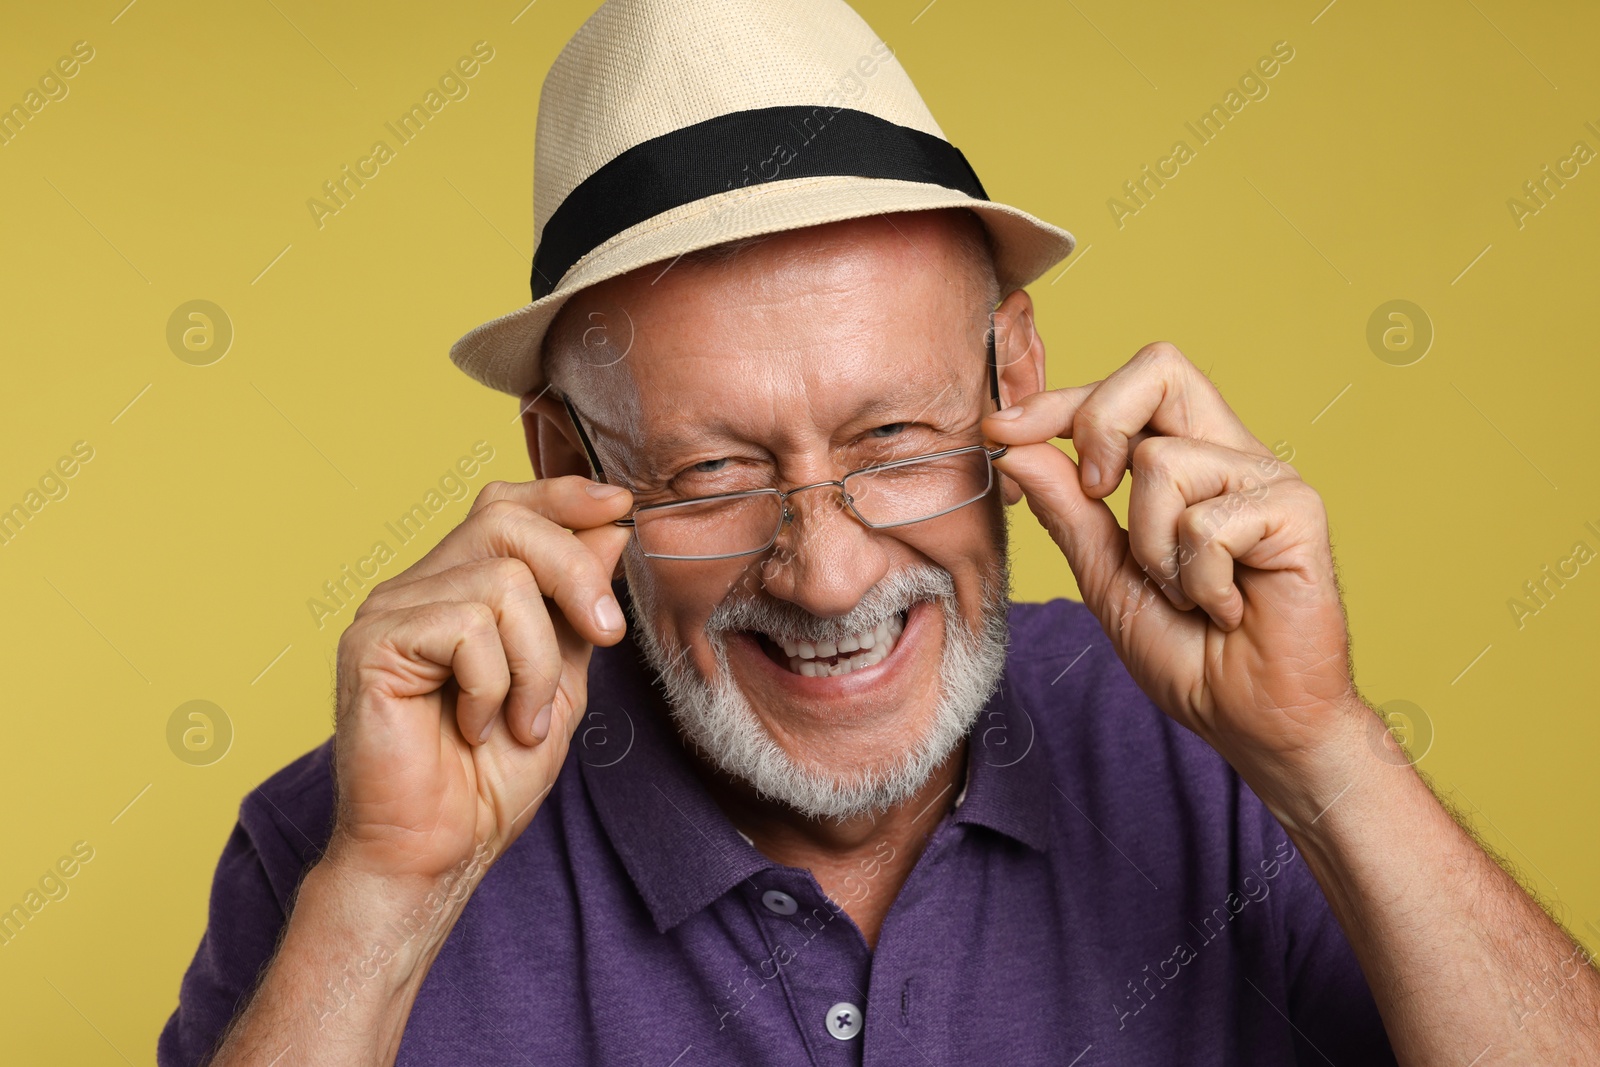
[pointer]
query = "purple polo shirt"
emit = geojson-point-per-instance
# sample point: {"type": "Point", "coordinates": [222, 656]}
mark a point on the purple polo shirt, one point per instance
{"type": "Point", "coordinates": [1106, 891]}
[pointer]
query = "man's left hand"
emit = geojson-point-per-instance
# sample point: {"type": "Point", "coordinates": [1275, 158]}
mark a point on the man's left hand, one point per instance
{"type": "Point", "coordinates": [1220, 597]}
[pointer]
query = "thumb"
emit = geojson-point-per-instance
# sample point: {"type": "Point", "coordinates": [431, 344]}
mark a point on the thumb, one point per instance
{"type": "Point", "coordinates": [607, 543]}
{"type": "Point", "coordinates": [1085, 529]}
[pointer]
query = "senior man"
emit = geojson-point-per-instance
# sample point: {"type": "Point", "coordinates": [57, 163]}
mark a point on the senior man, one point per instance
{"type": "Point", "coordinates": [831, 796]}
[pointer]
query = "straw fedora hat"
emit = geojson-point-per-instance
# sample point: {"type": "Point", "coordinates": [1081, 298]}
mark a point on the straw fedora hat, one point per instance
{"type": "Point", "coordinates": [667, 126]}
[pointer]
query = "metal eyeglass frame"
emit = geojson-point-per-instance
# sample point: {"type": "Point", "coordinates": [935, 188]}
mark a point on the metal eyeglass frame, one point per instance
{"type": "Point", "coordinates": [783, 495]}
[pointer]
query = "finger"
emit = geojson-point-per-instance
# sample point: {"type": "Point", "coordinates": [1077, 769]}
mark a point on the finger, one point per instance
{"type": "Point", "coordinates": [509, 591]}
{"type": "Point", "coordinates": [1277, 527]}
{"type": "Point", "coordinates": [568, 706]}
{"type": "Point", "coordinates": [1043, 416]}
{"type": "Point", "coordinates": [1087, 532]}
{"type": "Point", "coordinates": [1214, 535]}
{"type": "Point", "coordinates": [607, 543]}
{"type": "Point", "coordinates": [1169, 475]}
{"type": "Point", "coordinates": [1157, 390]}
{"type": "Point", "coordinates": [1038, 416]}
{"type": "Point", "coordinates": [452, 638]}
{"type": "Point", "coordinates": [571, 500]}
{"type": "Point", "coordinates": [566, 568]}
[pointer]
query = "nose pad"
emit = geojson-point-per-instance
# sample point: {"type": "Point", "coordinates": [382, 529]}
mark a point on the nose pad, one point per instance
{"type": "Point", "coordinates": [785, 548]}
{"type": "Point", "coordinates": [835, 499]}
{"type": "Point", "coordinates": [823, 562]}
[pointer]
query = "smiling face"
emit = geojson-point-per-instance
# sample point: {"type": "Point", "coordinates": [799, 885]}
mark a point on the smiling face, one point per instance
{"type": "Point", "coordinates": [836, 670]}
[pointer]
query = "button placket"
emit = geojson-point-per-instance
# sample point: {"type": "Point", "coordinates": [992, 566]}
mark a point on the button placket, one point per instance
{"type": "Point", "coordinates": [817, 950]}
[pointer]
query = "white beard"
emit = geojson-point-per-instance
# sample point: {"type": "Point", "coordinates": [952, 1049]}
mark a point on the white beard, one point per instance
{"type": "Point", "coordinates": [718, 720]}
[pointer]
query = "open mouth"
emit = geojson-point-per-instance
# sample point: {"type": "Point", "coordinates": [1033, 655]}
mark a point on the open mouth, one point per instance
{"type": "Point", "coordinates": [829, 659]}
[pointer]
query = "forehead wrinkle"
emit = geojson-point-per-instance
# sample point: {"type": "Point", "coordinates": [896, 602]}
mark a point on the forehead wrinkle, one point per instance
{"type": "Point", "coordinates": [914, 390]}
{"type": "Point", "coordinates": [804, 395]}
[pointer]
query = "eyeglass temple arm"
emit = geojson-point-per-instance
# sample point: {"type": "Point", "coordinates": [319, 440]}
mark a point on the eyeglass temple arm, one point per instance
{"type": "Point", "coordinates": [994, 383]}
{"type": "Point", "coordinates": [588, 446]}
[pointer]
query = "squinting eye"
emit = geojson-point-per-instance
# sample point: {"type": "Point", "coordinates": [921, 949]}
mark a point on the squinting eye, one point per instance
{"type": "Point", "coordinates": [888, 430]}
{"type": "Point", "coordinates": [709, 466]}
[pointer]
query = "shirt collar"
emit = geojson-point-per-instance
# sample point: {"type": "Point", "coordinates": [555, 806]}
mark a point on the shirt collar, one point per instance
{"type": "Point", "coordinates": [1008, 780]}
{"type": "Point", "coordinates": [678, 847]}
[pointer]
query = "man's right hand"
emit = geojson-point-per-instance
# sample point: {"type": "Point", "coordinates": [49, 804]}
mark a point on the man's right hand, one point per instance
{"type": "Point", "coordinates": [460, 683]}
{"type": "Point", "coordinates": [462, 679]}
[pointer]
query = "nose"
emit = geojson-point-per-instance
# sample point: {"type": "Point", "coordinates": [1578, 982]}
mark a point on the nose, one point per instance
{"type": "Point", "coordinates": [824, 560]}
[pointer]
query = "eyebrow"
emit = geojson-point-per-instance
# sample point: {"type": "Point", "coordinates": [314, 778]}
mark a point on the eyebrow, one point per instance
{"type": "Point", "coordinates": [656, 458]}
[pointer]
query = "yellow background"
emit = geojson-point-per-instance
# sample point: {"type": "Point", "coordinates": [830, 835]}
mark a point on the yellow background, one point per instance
{"type": "Point", "coordinates": [179, 564]}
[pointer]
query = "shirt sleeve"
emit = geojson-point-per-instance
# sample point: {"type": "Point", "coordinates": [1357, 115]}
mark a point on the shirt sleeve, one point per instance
{"type": "Point", "coordinates": [1330, 1004]}
{"type": "Point", "coordinates": [279, 834]}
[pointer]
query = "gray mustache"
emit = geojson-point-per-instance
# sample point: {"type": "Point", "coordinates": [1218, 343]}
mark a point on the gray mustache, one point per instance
{"type": "Point", "coordinates": [896, 593]}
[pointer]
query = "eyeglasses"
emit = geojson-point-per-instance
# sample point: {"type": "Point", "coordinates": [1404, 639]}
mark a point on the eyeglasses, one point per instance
{"type": "Point", "coordinates": [885, 495]}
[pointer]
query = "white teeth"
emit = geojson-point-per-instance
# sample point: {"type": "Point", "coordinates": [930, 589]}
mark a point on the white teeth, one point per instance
{"type": "Point", "coordinates": [855, 652]}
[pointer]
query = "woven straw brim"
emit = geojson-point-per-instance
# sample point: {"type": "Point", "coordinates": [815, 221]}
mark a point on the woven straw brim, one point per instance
{"type": "Point", "coordinates": [504, 353]}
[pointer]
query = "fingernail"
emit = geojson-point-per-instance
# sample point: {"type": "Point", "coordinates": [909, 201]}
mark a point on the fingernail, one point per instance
{"type": "Point", "coordinates": [487, 730]}
{"type": "Point", "coordinates": [1091, 475]}
{"type": "Point", "coordinates": [1012, 412]}
{"type": "Point", "coordinates": [602, 491]}
{"type": "Point", "coordinates": [609, 612]}
{"type": "Point", "coordinates": [541, 723]}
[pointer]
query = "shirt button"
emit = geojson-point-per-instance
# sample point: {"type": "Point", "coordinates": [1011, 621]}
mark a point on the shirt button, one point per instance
{"type": "Point", "coordinates": [778, 902]}
{"type": "Point", "coordinates": [844, 1020]}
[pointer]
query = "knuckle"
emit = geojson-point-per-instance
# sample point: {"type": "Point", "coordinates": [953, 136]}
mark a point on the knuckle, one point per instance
{"type": "Point", "coordinates": [501, 511]}
{"type": "Point", "coordinates": [1154, 456]}
{"type": "Point", "coordinates": [361, 634]}
{"type": "Point", "coordinates": [510, 574]}
{"type": "Point", "coordinates": [1169, 354]}
{"type": "Point", "coordinates": [471, 624]}
{"type": "Point", "coordinates": [560, 485]}
{"type": "Point", "coordinates": [453, 616]}
{"type": "Point", "coordinates": [1269, 468]}
{"type": "Point", "coordinates": [350, 644]}
{"type": "Point", "coordinates": [1312, 502]}
{"type": "Point", "coordinates": [579, 566]}
{"type": "Point", "coordinates": [1197, 525]}
{"type": "Point", "coordinates": [1161, 352]}
{"type": "Point", "coordinates": [358, 657]}
{"type": "Point", "coordinates": [494, 491]}
{"type": "Point", "coordinates": [1089, 425]}
{"type": "Point", "coordinates": [476, 619]}
{"type": "Point", "coordinates": [515, 527]}
{"type": "Point", "coordinates": [376, 600]}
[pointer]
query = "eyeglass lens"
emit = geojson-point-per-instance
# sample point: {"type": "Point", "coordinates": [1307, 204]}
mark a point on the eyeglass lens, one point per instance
{"type": "Point", "coordinates": [892, 495]}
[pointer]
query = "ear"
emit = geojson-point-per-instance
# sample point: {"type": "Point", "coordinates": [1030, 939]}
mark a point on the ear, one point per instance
{"type": "Point", "coordinates": [1019, 358]}
{"type": "Point", "coordinates": [553, 446]}
{"type": "Point", "coordinates": [1018, 348]}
